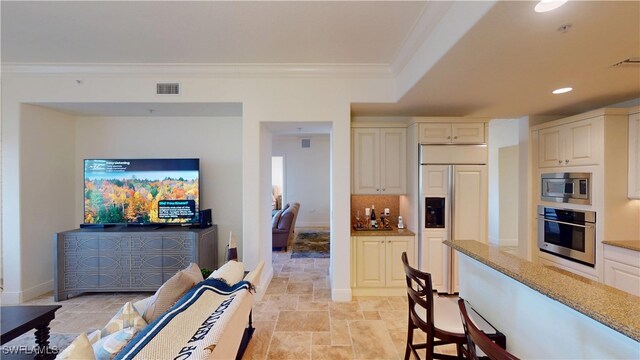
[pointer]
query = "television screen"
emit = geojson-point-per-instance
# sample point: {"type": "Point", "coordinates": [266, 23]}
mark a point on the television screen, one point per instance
{"type": "Point", "coordinates": [141, 191]}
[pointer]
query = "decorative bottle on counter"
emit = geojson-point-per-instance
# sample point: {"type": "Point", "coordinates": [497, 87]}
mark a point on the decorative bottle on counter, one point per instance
{"type": "Point", "coordinates": [373, 217]}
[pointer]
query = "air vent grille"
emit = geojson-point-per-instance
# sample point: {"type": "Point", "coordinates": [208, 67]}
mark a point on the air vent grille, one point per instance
{"type": "Point", "coordinates": [168, 89]}
{"type": "Point", "coordinates": [627, 62]}
{"type": "Point", "coordinates": [306, 143]}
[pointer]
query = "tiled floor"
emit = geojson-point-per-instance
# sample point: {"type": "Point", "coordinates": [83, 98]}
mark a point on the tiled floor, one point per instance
{"type": "Point", "coordinates": [296, 318]}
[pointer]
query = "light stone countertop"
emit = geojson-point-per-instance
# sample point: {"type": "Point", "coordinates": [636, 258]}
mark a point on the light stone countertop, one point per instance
{"type": "Point", "coordinates": [389, 232]}
{"type": "Point", "coordinates": [612, 307]}
{"type": "Point", "coordinates": [626, 244]}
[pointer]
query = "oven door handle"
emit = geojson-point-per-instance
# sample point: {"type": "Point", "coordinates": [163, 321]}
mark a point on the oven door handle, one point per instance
{"type": "Point", "coordinates": [589, 226]}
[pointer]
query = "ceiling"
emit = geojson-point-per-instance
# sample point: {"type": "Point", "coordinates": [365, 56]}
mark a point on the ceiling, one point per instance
{"type": "Point", "coordinates": [505, 66]}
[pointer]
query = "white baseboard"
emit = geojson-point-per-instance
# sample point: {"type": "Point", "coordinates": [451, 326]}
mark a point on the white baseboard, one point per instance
{"type": "Point", "coordinates": [35, 291]}
{"type": "Point", "coordinates": [264, 283]}
{"type": "Point", "coordinates": [10, 297]}
{"type": "Point", "coordinates": [341, 294]}
{"type": "Point", "coordinates": [18, 297]}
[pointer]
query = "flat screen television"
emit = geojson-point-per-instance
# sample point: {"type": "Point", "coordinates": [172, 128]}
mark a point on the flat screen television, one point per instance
{"type": "Point", "coordinates": [141, 191]}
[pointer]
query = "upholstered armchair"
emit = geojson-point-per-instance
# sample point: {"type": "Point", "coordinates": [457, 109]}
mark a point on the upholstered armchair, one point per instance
{"type": "Point", "coordinates": [283, 226]}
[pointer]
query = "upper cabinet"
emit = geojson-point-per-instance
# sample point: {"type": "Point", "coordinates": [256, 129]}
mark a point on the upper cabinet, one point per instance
{"type": "Point", "coordinates": [571, 144]}
{"type": "Point", "coordinates": [379, 161]}
{"type": "Point", "coordinates": [452, 133]}
{"type": "Point", "coordinates": [634, 154]}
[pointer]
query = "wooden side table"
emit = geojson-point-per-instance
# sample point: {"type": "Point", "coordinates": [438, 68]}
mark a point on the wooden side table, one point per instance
{"type": "Point", "coordinates": [17, 320]}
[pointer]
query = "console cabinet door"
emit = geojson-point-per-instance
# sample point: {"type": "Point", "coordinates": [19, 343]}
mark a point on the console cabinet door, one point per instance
{"type": "Point", "coordinates": [366, 161]}
{"type": "Point", "coordinates": [370, 257]}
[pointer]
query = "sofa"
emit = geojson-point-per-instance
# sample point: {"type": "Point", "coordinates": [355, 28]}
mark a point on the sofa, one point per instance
{"type": "Point", "coordinates": [283, 226]}
{"type": "Point", "coordinates": [159, 326]}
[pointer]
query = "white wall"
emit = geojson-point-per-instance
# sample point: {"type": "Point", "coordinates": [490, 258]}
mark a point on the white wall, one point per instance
{"type": "Point", "coordinates": [306, 176]}
{"type": "Point", "coordinates": [502, 133]}
{"type": "Point", "coordinates": [508, 158]}
{"type": "Point", "coordinates": [265, 97]}
{"type": "Point", "coordinates": [47, 184]}
{"type": "Point", "coordinates": [216, 141]}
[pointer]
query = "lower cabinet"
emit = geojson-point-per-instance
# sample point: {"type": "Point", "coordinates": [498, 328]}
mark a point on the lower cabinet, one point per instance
{"type": "Point", "coordinates": [622, 269]}
{"type": "Point", "coordinates": [378, 266]}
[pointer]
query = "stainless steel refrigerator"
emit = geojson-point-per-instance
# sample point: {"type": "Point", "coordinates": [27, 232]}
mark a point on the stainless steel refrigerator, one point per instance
{"type": "Point", "coordinates": [453, 194]}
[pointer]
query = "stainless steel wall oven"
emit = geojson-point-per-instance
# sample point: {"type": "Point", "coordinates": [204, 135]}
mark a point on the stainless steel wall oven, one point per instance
{"type": "Point", "coordinates": [568, 233]}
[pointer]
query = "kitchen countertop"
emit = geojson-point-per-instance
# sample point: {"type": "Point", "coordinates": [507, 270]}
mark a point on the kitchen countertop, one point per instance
{"type": "Point", "coordinates": [385, 232]}
{"type": "Point", "coordinates": [627, 244]}
{"type": "Point", "coordinates": [612, 307]}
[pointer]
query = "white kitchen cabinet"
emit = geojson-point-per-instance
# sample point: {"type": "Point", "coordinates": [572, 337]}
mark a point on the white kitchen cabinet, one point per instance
{"type": "Point", "coordinates": [572, 144]}
{"type": "Point", "coordinates": [370, 261]}
{"type": "Point", "coordinates": [622, 269]}
{"type": "Point", "coordinates": [378, 262]}
{"type": "Point", "coordinates": [455, 133]}
{"type": "Point", "coordinates": [634, 156]}
{"type": "Point", "coordinates": [379, 161]}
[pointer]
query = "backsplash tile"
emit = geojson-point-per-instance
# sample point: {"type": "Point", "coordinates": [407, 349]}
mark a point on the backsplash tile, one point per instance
{"type": "Point", "coordinates": [360, 202]}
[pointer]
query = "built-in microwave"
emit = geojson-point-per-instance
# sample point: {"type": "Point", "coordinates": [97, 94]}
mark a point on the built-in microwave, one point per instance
{"type": "Point", "coordinates": [572, 188]}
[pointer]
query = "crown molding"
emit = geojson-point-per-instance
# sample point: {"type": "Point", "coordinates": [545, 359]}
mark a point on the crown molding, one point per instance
{"type": "Point", "coordinates": [200, 70]}
{"type": "Point", "coordinates": [430, 17]}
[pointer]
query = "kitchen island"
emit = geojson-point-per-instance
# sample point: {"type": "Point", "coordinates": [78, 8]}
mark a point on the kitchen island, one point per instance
{"type": "Point", "coordinates": [546, 313]}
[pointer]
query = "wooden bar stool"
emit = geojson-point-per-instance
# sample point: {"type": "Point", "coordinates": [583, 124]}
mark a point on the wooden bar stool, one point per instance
{"type": "Point", "coordinates": [440, 331]}
{"type": "Point", "coordinates": [476, 337]}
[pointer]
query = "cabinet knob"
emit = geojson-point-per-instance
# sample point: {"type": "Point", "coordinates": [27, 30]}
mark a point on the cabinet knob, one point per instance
{"type": "Point", "coordinates": [377, 189]}
{"type": "Point", "coordinates": [448, 137]}
{"type": "Point", "coordinates": [384, 189]}
{"type": "Point", "coordinates": [455, 137]}
{"type": "Point", "coordinates": [559, 161]}
{"type": "Point", "coordinates": [566, 161]}
{"type": "Point", "coordinates": [381, 241]}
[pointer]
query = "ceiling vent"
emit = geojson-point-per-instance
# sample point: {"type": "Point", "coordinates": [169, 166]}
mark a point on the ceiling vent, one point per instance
{"type": "Point", "coordinates": [168, 89]}
{"type": "Point", "coordinates": [627, 62]}
{"type": "Point", "coordinates": [306, 143]}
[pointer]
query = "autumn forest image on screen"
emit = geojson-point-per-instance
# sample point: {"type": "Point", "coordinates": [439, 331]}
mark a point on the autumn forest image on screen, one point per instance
{"type": "Point", "coordinates": [133, 197]}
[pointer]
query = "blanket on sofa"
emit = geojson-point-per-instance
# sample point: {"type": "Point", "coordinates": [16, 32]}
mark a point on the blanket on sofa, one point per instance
{"type": "Point", "coordinates": [191, 328]}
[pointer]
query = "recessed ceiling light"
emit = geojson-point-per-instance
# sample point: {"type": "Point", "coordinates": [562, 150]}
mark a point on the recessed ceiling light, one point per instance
{"type": "Point", "coordinates": [562, 90]}
{"type": "Point", "coordinates": [548, 5]}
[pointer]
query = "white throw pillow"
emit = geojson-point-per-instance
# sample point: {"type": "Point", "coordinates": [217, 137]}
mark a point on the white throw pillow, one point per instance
{"type": "Point", "coordinates": [79, 349]}
{"type": "Point", "coordinates": [167, 295]}
{"type": "Point", "coordinates": [126, 317]}
{"type": "Point", "coordinates": [107, 347]}
{"type": "Point", "coordinates": [231, 273]}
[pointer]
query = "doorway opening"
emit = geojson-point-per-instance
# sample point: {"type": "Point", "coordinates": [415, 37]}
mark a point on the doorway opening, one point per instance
{"type": "Point", "coordinates": [301, 170]}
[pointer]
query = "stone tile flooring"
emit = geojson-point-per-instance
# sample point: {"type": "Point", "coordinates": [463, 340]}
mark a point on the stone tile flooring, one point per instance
{"type": "Point", "coordinates": [295, 319]}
